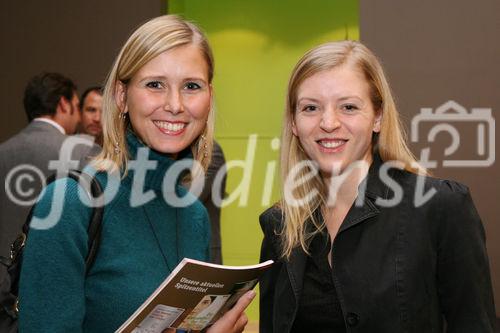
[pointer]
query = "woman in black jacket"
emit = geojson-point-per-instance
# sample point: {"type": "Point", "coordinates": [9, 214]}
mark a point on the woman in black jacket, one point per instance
{"type": "Point", "coordinates": [363, 240]}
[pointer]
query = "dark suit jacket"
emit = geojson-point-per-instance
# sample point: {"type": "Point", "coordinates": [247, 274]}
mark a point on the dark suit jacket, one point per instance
{"type": "Point", "coordinates": [396, 269]}
{"type": "Point", "coordinates": [36, 145]}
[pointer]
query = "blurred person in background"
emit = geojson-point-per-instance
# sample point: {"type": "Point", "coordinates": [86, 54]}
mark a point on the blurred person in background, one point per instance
{"type": "Point", "coordinates": [52, 108]}
{"type": "Point", "coordinates": [90, 114]}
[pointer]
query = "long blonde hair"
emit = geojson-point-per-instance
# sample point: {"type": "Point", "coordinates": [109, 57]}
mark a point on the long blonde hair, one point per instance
{"type": "Point", "coordinates": [390, 142]}
{"type": "Point", "coordinates": [145, 43]}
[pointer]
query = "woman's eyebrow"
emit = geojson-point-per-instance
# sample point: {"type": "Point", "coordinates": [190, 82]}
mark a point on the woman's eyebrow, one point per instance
{"type": "Point", "coordinates": [307, 99]}
{"type": "Point", "coordinates": [152, 78]}
{"type": "Point", "coordinates": [343, 98]}
{"type": "Point", "coordinates": [164, 78]}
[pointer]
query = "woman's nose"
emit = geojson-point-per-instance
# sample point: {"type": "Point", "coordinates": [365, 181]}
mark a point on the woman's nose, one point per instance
{"type": "Point", "coordinates": [329, 120]}
{"type": "Point", "coordinates": [173, 102]}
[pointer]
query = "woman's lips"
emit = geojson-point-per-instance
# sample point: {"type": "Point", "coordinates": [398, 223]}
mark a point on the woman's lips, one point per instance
{"type": "Point", "coordinates": [331, 145]}
{"type": "Point", "coordinates": [169, 127]}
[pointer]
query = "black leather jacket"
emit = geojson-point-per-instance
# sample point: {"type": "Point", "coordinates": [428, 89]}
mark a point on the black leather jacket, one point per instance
{"type": "Point", "coordinates": [396, 269]}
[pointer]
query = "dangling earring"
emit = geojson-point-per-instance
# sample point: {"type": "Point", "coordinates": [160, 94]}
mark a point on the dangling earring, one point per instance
{"type": "Point", "coordinates": [117, 148]}
{"type": "Point", "coordinates": [122, 115]}
{"type": "Point", "coordinates": [203, 145]}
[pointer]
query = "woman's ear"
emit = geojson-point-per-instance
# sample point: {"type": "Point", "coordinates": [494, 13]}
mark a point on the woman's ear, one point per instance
{"type": "Point", "coordinates": [121, 96]}
{"type": "Point", "coordinates": [378, 121]}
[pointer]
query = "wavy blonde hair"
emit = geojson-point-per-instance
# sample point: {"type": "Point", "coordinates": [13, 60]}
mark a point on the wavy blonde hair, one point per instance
{"type": "Point", "coordinates": [390, 142]}
{"type": "Point", "coordinates": [145, 43]}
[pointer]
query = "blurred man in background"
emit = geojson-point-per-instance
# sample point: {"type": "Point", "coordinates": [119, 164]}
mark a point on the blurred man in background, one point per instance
{"type": "Point", "coordinates": [90, 111]}
{"type": "Point", "coordinates": [52, 108]}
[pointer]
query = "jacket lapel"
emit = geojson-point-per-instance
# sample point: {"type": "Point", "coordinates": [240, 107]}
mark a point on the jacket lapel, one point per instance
{"type": "Point", "coordinates": [298, 259]}
{"type": "Point", "coordinates": [296, 267]}
{"type": "Point", "coordinates": [284, 314]}
{"type": "Point", "coordinates": [357, 214]}
{"type": "Point", "coordinates": [370, 189]}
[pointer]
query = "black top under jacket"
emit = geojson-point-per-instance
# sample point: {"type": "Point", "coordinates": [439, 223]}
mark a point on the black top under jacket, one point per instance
{"type": "Point", "coordinates": [319, 308]}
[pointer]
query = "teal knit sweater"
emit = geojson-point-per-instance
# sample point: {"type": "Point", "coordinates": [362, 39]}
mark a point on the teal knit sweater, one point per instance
{"type": "Point", "coordinates": [140, 246]}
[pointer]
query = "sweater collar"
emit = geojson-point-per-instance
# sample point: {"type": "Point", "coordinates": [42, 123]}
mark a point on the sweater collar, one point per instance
{"type": "Point", "coordinates": [150, 166]}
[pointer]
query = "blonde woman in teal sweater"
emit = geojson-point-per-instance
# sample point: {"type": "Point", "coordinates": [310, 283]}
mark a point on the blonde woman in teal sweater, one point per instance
{"type": "Point", "coordinates": [158, 118]}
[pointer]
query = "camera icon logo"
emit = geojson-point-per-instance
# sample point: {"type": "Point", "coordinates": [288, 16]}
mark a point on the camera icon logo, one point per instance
{"type": "Point", "coordinates": [447, 118]}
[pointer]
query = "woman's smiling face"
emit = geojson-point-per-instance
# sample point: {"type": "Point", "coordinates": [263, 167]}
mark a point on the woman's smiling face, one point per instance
{"type": "Point", "coordinates": [335, 119]}
{"type": "Point", "coordinates": [168, 100]}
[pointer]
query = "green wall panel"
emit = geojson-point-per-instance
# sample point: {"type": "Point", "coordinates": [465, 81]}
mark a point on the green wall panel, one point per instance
{"type": "Point", "coordinates": [256, 44]}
